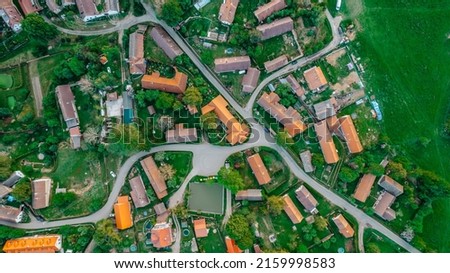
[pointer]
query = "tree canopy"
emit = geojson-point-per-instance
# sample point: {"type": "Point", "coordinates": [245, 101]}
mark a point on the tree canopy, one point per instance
{"type": "Point", "coordinates": [275, 204]}
{"type": "Point", "coordinates": [238, 228]}
{"type": "Point", "coordinates": [348, 175]}
{"type": "Point", "coordinates": [22, 191]}
{"type": "Point", "coordinates": [5, 166]}
{"type": "Point", "coordinates": [192, 96]}
{"type": "Point", "coordinates": [231, 179]}
{"type": "Point", "coordinates": [172, 12]}
{"type": "Point", "coordinates": [106, 235]}
{"type": "Point", "coordinates": [36, 27]}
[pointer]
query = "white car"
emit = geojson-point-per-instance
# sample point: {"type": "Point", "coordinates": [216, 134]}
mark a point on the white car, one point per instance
{"type": "Point", "coordinates": [112, 174]}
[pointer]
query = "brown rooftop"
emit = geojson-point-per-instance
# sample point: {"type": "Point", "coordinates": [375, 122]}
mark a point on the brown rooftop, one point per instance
{"type": "Point", "coordinates": [29, 6]}
{"type": "Point", "coordinates": [390, 185]}
{"type": "Point", "coordinates": [306, 199]}
{"type": "Point", "coordinates": [165, 42]}
{"type": "Point", "coordinates": [326, 109]}
{"type": "Point", "coordinates": [295, 85]}
{"type": "Point", "coordinates": [200, 228]}
{"type": "Point", "coordinates": [259, 169]}
{"type": "Point", "coordinates": [41, 189]}
{"type": "Point", "coordinates": [181, 134]}
{"type": "Point", "coordinates": [344, 227]}
{"type": "Point", "coordinates": [306, 158]}
{"type": "Point", "coordinates": [155, 177]}
{"type": "Point", "coordinates": [264, 11]}
{"type": "Point", "coordinates": [138, 192]}
{"type": "Point", "coordinates": [350, 135]}
{"type": "Point", "coordinates": [136, 54]}
{"type": "Point", "coordinates": [66, 102]}
{"type": "Point", "coordinates": [315, 78]}
{"type": "Point", "coordinates": [276, 63]}
{"type": "Point", "coordinates": [250, 195]}
{"type": "Point", "coordinates": [290, 118]}
{"type": "Point", "coordinates": [176, 85]}
{"type": "Point", "coordinates": [250, 80]}
{"type": "Point", "coordinates": [292, 210]}
{"type": "Point", "coordinates": [230, 64]}
{"type": "Point", "coordinates": [10, 214]}
{"type": "Point", "coordinates": [364, 186]}
{"type": "Point", "coordinates": [4, 191]}
{"type": "Point", "coordinates": [87, 8]}
{"type": "Point", "coordinates": [275, 28]}
{"type": "Point", "coordinates": [228, 11]}
{"type": "Point", "coordinates": [382, 206]}
{"type": "Point", "coordinates": [326, 143]}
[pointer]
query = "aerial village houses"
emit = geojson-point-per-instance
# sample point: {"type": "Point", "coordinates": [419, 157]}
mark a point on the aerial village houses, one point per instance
{"type": "Point", "coordinates": [122, 213]}
{"type": "Point", "coordinates": [165, 42]}
{"type": "Point", "coordinates": [41, 189]}
{"type": "Point", "coordinates": [363, 188]}
{"type": "Point", "coordinates": [161, 235]}
{"type": "Point", "coordinates": [383, 204]}
{"type": "Point", "coordinates": [236, 132]}
{"type": "Point", "coordinates": [13, 179]}
{"type": "Point", "coordinates": [350, 135]}
{"type": "Point", "coordinates": [344, 227]}
{"type": "Point", "coordinates": [11, 214]}
{"type": "Point", "coordinates": [290, 118]}
{"type": "Point", "coordinates": [315, 78]}
{"type": "Point", "coordinates": [264, 11]}
{"type": "Point", "coordinates": [66, 3]}
{"type": "Point", "coordinates": [231, 245]}
{"type": "Point", "coordinates": [181, 134]}
{"type": "Point", "coordinates": [250, 80]}
{"type": "Point", "coordinates": [291, 210]}
{"type": "Point", "coordinates": [295, 85]}
{"type": "Point", "coordinates": [276, 63]}
{"type": "Point", "coordinates": [326, 109]}
{"type": "Point", "coordinates": [390, 185]}
{"type": "Point", "coordinates": [249, 195]}
{"type": "Point", "coordinates": [36, 244]}
{"type": "Point", "coordinates": [227, 11]}
{"type": "Point", "coordinates": [259, 169]}
{"type": "Point", "coordinates": [200, 229]}
{"type": "Point", "coordinates": [12, 17]}
{"type": "Point", "coordinates": [176, 85]}
{"type": "Point", "coordinates": [136, 54]}
{"type": "Point", "coordinates": [66, 102]}
{"type": "Point", "coordinates": [88, 9]}
{"type": "Point", "coordinates": [29, 6]}
{"type": "Point", "coordinates": [306, 158]}
{"type": "Point", "coordinates": [161, 212]}
{"type": "Point", "coordinates": [4, 191]}
{"type": "Point", "coordinates": [231, 64]}
{"type": "Point", "coordinates": [275, 28]}
{"type": "Point", "coordinates": [306, 199]}
{"type": "Point", "coordinates": [138, 193]}
{"type": "Point", "coordinates": [155, 177]}
{"type": "Point", "coordinates": [326, 143]}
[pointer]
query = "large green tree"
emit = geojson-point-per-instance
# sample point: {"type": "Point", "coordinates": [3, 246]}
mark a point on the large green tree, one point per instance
{"type": "Point", "coordinates": [348, 175]}
{"type": "Point", "coordinates": [22, 191]}
{"type": "Point", "coordinates": [231, 179]}
{"type": "Point", "coordinates": [172, 12]}
{"type": "Point", "coordinates": [397, 171]}
{"type": "Point", "coordinates": [238, 228]}
{"type": "Point", "coordinates": [5, 166]}
{"type": "Point", "coordinates": [106, 235]}
{"type": "Point", "coordinates": [192, 96]}
{"type": "Point", "coordinates": [36, 28]}
{"type": "Point", "coordinates": [165, 101]}
{"type": "Point", "coordinates": [283, 138]}
{"type": "Point", "coordinates": [275, 204]}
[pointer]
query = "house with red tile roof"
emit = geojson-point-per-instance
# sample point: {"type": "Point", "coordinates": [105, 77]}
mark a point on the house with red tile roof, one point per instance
{"type": "Point", "coordinates": [227, 11]}
{"type": "Point", "coordinates": [200, 228]}
{"type": "Point", "coordinates": [315, 78]}
{"type": "Point", "coordinates": [264, 11]}
{"type": "Point", "coordinates": [176, 85]}
{"type": "Point", "coordinates": [291, 210]}
{"type": "Point", "coordinates": [276, 63]}
{"type": "Point", "coordinates": [154, 175]}
{"type": "Point", "coordinates": [136, 54]}
{"type": "Point", "coordinates": [344, 227]}
{"type": "Point", "coordinates": [250, 80]}
{"type": "Point", "coordinates": [161, 235]}
{"type": "Point", "coordinates": [275, 28]}
{"type": "Point", "coordinates": [259, 169]}
{"type": "Point", "coordinates": [230, 64]}
{"type": "Point", "coordinates": [165, 42]}
{"type": "Point", "coordinates": [29, 6]}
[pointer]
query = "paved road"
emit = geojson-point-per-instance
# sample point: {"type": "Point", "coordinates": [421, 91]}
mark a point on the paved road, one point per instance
{"type": "Point", "coordinates": [208, 158]}
{"type": "Point", "coordinates": [228, 208]}
{"type": "Point", "coordinates": [361, 228]}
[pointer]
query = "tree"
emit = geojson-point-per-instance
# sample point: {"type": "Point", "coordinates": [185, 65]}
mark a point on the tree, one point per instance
{"type": "Point", "coordinates": [172, 12]}
{"type": "Point", "coordinates": [143, 97]}
{"type": "Point", "coordinates": [167, 171]}
{"type": "Point", "coordinates": [77, 66]}
{"type": "Point", "coordinates": [372, 248]}
{"type": "Point", "coordinates": [160, 156]}
{"type": "Point", "coordinates": [5, 113]}
{"type": "Point", "coordinates": [36, 28]}
{"type": "Point", "coordinates": [5, 166]}
{"type": "Point", "coordinates": [22, 191]}
{"type": "Point", "coordinates": [192, 96]}
{"type": "Point", "coordinates": [283, 139]}
{"type": "Point", "coordinates": [230, 179]}
{"type": "Point", "coordinates": [165, 101]}
{"type": "Point", "coordinates": [104, 79]}
{"type": "Point", "coordinates": [238, 229]}
{"type": "Point", "coordinates": [320, 223]}
{"type": "Point", "coordinates": [181, 211]}
{"type": "Point", "coordinates": [376, 169]}
{"type": "Point", "coordinates": [125, 139]}
{"type": "Point", "coordinates": [301, 248]}
{"type": "Point", "coordinates": [106, 235]}
{"type": "Point", "coordinates": [397, 171]}
{"type": "Point", "coordinates": [209, 121]}
{"type": "Point", "coordinates": [275, 204]}
{"type": "Point", "coordinates": [62, 200]}
{"type": "Point", "coordinates": [7, 233]}
{"type": "Point", "coordinates": [91, 135]}
{"type": "Point", "coordinates": [348, 175]}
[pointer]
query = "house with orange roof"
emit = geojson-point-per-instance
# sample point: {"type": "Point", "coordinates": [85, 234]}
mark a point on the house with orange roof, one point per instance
{"type": "Point", "coordinates": [236, 132]}
{"type": "Point", "coordinates": [154, 175]}
{"type": "Point", "coordinates": [11, 16]}
{"type": "Point", "coordinates": [232, 247]}
{"type": "Point", "coordinates": [364, 186]}
{"type": "Point", "coordinates": [344, 227]}
{"type": "Point", "coordinates": [350, 135]}
{"type": "Point", "coordinates": [315, 78]}
{"type": "Point", "coordinates": [259, 169]}
{"type": "Point", "coordinates": [291, 210]}
{"type": "Point", "coordinates": [227, 11]}
{"type": "Point", "coordinates": [122, 212]}
{"type": "Point", "coordinates": [326, 142]}
{"type": "Point", "coordinates": [289, 117]}
{"type": "Point", "coordinates": [161, 235]}
{"type": "Point", "coordinates": [35, 244]}
{"type": "Point", "coordinates": [176, 85]}
{"type": "Point", "coordinates": [200, 228]}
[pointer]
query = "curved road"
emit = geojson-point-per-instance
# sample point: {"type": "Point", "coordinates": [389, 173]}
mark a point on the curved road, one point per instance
{"type": "Point", "coordinates": [209, 158]}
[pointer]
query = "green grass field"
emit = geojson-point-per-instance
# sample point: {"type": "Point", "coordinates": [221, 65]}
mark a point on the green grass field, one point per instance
{"type": "Point", "coordinates": [404, 46]}
{"type": "Point", "coordinates": [384, 244]}
{"type": "Point", "coordinates": [6, 81]}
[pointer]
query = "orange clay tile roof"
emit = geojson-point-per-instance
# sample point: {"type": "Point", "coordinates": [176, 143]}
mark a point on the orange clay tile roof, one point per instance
{"type": "Point", "coordinates": [315, 77]}
{"type": "Point", "coordinates": [232, 246]}
{"type": "Point", "coordinates": [161, 235]}
{"type": "Point", "coordinates": [364, 186]}
{"type": "Point", "coordinates": [36, 244]}
{"type": "Point", "coordinates": [326, 143]}
{"type": "Point", "coordinates": [344, 227]}
{"type": "Point", "coordinates": [122, 211]}
{"type": "Point", "coordinates": [227, 11]}
{"type": "Point", "coordinates": [155, 177]}
{"type": "Point", "coordinates": [29, 6]}
{"type": "Point", "coordinates": [236, 132]}
{"type": "Point", "coordinates": [350, 134]}
{"type": "Point", "coordinates": [200, 228]}
{"type": "Point", "coordinates": [259, 169]}
{"type": "Point", "coordinates": [177, 84]}
{"type": "Point", "coordinates": [291, 210]}
{"type": "Point", "coordinates": [103, 59]}
{"type": "Point", "coordinates": [264, 11]}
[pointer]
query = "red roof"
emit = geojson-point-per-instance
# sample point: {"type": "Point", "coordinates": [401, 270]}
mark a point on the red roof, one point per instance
{"type": "Point", "coordinates": [177, 84]}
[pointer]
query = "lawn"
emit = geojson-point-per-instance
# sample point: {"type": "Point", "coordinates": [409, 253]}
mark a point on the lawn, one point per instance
{"type": "Point", "coordinates": [384, 244]}
{"type": "Point", "coordinates": [214, 242]}
{"type": "Point", "coordinates": [439, 220]}
{"type": "Point", "coordinates": [45, 68]}
{"type": "Point", "coordinates": [6, 81]}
